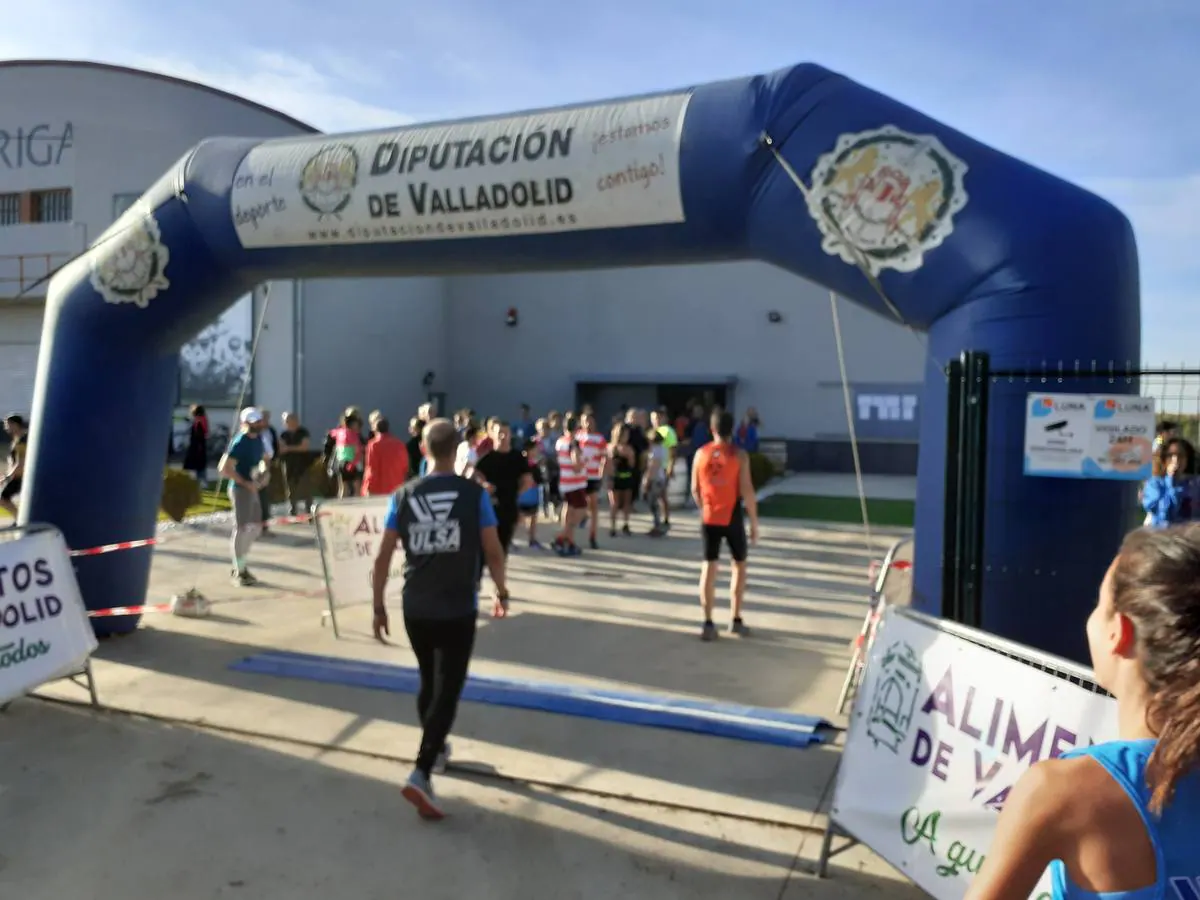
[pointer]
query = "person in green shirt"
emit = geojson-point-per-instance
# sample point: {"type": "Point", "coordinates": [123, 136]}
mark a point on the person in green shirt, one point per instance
{"type": "Point", "coordinates": [661, 424]}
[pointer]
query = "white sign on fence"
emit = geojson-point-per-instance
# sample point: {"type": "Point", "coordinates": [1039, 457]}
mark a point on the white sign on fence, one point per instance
{"type": "Point", "coordinates": [608, 165]}
{"type": "Point", "coordinates": [1089, 436]}
{"type": "Point", "coordinates": [941, 730]}
{"type": "Point", "coordinates": [349, 532]}
{"type": "Point", "coordinates": [44, 629]}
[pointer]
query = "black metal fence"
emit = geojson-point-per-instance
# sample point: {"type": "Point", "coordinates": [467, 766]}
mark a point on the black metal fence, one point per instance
{"type": "Point", "coordinates": [1175, 390]}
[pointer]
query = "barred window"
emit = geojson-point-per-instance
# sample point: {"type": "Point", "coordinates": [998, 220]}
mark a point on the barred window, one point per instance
{"type": "Point", "coordinates": [10, 209]}
{"type": "Point", "coordinates": [52, 206]}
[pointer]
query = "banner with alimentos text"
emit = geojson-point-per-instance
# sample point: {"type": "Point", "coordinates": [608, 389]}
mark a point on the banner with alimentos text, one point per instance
{"type": "Point", "coordinates": [44, 628]}
{"type": "Point", "coordinates": [941, 731]}
{"type": "Point", "coordinates": [349, 532]}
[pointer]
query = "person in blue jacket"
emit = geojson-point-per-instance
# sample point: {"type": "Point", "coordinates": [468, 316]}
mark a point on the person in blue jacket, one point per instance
{"type": "Point", "coordinates": [1169, 496]}
{"type": "Point", "coordinates": [1121, 819]}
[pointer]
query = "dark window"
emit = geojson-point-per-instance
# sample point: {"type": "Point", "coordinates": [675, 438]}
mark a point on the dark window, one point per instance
{"type": "Point", "coordinates": [10, 209]}
{"type": "Point", "coordinates": [51, 206]}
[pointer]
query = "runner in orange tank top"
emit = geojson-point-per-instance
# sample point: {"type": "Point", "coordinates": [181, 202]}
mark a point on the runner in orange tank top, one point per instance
{"type": "Point", "coordinates": [723, 491]}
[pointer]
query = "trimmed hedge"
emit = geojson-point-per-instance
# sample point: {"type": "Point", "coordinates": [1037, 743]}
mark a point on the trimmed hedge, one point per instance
{"type": "Point", "coordinates": [180, 493]}
{"type": "Point", "coordinates": [762, 470]}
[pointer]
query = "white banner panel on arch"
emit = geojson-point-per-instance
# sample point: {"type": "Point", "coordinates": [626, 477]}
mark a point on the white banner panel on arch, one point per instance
{"type": "Point", "coordinates": [44, 628]}
{"type": "Point", "coordinates": [348, 532]}
{"type": "Point", "coordinates": [941, 730]}
{"type": "Point", "coordinates": [609, 165]}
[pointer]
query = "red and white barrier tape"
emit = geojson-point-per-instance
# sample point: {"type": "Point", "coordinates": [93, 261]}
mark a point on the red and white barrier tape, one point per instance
{"type": "Point", "coordinates": [151, 542]}
{"type": "Point", "coordinates": [112, 548]}
{"type": "Point", "coordinates": [128, 610]}
{"type": "Point", "coordinates": [169, 607]}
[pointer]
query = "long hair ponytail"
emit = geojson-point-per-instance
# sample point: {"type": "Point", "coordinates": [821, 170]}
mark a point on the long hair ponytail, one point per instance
{"type": "Point", "coordinates": [1156, 583]}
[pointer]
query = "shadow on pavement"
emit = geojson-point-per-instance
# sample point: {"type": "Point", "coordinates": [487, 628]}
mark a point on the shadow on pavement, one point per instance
{"type": "Point", "coordinates": [105, 806]}
{"type": "Point", "coordinates": [736, 768]}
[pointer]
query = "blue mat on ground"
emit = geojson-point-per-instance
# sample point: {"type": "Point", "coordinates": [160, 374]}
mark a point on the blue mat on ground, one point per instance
{"type": "Point", "coordinates": [746, 723]}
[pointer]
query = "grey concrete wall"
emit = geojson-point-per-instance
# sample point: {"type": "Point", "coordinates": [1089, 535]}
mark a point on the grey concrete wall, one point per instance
{"type": "Point", "coordinates": [369, 343]}
{"type": "Point", "coordinates": [698, 320]}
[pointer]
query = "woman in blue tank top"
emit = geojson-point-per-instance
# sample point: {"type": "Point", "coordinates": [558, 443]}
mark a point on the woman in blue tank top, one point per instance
{"type": "Point", "coordinates": [1121, 819]}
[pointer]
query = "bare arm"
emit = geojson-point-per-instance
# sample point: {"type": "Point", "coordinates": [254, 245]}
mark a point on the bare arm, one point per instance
{"type": "Point", "coordinates": [228, 471]}
{"type": "Point", "coordinates": [749, 497]}
{"type": "Point", "coordinates": [383, 565]}
{"type": "Point", "coordinates": [696, 484]}
{"type": "Point", "coordinates": [1029, 834]}
{"type": "Point", "coordinates": [18, 468]}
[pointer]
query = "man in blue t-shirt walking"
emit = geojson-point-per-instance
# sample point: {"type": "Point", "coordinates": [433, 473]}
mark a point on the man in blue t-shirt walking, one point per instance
{"type": "Point", "coordinates": [243, 465]}
{"type": "Point", "coordinates": [446, 526]}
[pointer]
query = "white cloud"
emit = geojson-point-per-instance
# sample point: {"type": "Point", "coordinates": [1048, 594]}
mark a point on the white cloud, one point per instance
{"type": "Point", "coordinates": [317, 88]}
{"type": "Point", "coordinates": [1164, 216]}
{"type": "Point", "coordinates": [319, 96]}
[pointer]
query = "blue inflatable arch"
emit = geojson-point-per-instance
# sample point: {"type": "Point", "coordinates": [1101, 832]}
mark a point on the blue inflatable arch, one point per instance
{"type": "Point", "coordinates": [975, 248]}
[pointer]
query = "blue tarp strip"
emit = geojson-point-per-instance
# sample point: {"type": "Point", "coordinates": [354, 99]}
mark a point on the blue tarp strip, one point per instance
{"type": "Point", "coordinates": [721, 720]}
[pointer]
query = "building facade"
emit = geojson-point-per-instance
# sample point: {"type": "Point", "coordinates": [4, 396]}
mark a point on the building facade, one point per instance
{"type": "Point", "coordinates": [79, 142]}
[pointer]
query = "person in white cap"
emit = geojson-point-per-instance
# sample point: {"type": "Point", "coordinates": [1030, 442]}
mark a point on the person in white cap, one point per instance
{"type": "Point", "coordinates": [244, 465]}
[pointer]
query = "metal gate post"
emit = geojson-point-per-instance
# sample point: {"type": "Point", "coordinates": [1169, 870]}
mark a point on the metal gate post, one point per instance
{"type": "Point", "coordinates": [974, 486]}
{"type": "Point", "coordinates": [952, 512]}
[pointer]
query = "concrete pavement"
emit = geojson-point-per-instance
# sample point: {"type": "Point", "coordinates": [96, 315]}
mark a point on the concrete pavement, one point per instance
{"type": "Point", "coordinates": [248, 785]}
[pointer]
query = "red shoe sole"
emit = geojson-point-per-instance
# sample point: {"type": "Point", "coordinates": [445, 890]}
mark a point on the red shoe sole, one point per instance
{"type": "Point", "coordinates": [425, 807]}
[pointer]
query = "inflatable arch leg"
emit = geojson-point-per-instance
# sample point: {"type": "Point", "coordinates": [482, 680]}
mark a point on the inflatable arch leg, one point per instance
{"type": "Point", "coordinates": [974, 247]}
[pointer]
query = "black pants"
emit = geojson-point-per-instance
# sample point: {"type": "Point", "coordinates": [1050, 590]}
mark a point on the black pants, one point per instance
{"type": "Point", "coordinates": [443, 650]}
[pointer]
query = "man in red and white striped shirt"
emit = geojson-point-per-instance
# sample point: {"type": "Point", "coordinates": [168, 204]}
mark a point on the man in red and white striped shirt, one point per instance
{"type": "Point", "coordinates": [572, 486]}
{"type": "Point", "coordinates": [595, 460]}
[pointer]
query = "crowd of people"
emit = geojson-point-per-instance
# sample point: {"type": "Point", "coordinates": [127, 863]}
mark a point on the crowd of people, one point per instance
{"type": "Point", "coordinates": [547, 471]}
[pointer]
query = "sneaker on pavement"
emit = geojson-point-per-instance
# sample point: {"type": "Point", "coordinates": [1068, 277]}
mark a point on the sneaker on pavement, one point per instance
{"type": "Point", "coordinates": [443, 760]}
{"type": "Point", "coordinates": [739, 628]}
{"type": "Point", "coordinates": [418, 791]}
{"type": "Point", "coordinates": [244, 578]}
{"type": "Point", "coordinates": [708, 632]}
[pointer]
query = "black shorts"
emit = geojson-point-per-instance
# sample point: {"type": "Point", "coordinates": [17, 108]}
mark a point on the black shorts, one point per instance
{"type": "Point", "coordinates": [733, 534]}
{"type": "Point", "coordinates": [624, 481]}
{"type": "Point", "coordinates": [593, 485]}
{"type": "Point", "coordinates": [11, 489]}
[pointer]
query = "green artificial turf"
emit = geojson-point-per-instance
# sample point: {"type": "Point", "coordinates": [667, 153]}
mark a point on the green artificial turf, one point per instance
{"type": "Point", "coordinates": [897, 513]}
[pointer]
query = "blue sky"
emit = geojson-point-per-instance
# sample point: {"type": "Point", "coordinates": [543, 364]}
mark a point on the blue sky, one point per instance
{"type": "Point", "coordinates": [1104, 93]}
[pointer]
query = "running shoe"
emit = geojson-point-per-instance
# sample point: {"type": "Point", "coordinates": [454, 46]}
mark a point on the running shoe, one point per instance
{"type": "Point", "coordinates": [443, 760]}
{"type": "Point", "coordinates": [708, 632]}
{"type": "Point", "coordinates": [738, 627]}
{"type": "Point", "coordinates": [418, 791]}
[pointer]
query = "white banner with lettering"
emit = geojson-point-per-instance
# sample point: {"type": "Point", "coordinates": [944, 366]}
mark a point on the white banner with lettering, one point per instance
{"type": "Point", "coordinates": [941, 730]}
{"type": "Point", "coordinates": [609, 165]}
{"type": "Point", "coordinates": [44, 628]}
{"type": "Point", "coordinates": [349, 532]}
